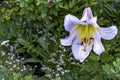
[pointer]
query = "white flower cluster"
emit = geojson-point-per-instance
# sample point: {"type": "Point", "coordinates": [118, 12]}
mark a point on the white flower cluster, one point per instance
{"type": "Point", "coordinates": [58, 71]}
{"type": "Point", "coordinates": [12, 60]}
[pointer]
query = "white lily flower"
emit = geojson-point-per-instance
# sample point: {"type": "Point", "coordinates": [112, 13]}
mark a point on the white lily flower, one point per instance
{"type": "Point", "coordinates": [86, 34]}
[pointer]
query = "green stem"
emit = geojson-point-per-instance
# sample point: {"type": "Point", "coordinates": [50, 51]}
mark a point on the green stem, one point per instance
{"type": "Point", "coordinates": [30, 34]}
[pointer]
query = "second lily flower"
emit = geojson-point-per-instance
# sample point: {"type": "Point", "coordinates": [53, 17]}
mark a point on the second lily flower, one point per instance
{"type": "Point", "coordinates": [86, 34]}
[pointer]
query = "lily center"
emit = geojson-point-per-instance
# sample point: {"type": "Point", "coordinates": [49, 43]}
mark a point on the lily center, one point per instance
{"type": "Point", "coordinates": [86, 33]}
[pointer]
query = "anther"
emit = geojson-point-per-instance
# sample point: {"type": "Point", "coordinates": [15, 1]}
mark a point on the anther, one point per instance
{"type": "Point", "coordinates": [81, 43]}
{"type": "Point", "coordinates": [89, 41]}
{"type": "Point", "coordinates": [91, 38]}
{"type": "Point", "coordinates": [84, 49]}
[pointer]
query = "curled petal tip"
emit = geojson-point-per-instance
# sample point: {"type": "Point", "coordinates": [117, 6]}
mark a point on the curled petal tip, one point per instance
{"type": "Point", "coordinates": [64, 42]}
{"type": "Point", "coordinates": [87, 14]}
{"type": "Point", "coordinates": [82, 60]}
{"type": "Point", "coordinates": [115, 28]}
{"type": "Point", "coordinates": [70, 22]}
{"type": "Point", "coordinates": [108, 33]}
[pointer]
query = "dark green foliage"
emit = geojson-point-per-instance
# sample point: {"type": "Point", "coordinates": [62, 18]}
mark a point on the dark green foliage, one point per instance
{"type": "Point", "coordinates": [34, 29]}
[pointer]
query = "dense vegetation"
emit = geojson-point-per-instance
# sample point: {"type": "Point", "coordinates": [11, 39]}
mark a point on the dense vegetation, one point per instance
{"type": "Point", "coordinates": [31, 32]}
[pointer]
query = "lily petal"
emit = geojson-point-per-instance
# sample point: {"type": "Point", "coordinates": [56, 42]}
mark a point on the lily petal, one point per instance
{"type": "Point", "coordinates": [68, 41]}
{"type": "Point", "coordinates": [98, 46]}
{"type": "Point", "coordinates": [78, 52]}
{"type": "Point", "coordinates": [92, 21]}
{"type": "Point", "coordinates": [108, 33]}
{"type": "Point", "coordinates": [87, 14]}
{"type": "Point", "coordinates": [70, 21]}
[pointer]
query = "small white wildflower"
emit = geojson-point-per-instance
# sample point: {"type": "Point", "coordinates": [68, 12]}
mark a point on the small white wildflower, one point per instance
{"type": "Point", "coordinates": [24, 68]}
{"type": "Point", "coordinates": [14, 65]}
{"type": "Point", "coordinates": [61, 59]}
{"type": "Point", "coordinates": [1, 66]}
{"type": "Point", "coordinates": [11, 57]}
{"type": "Point", "coordinates": [6, 61]}
{"type": "Point", "coordinates": [11, 69]}
{"type": "Point", "coordinates": [49, 1]}
{"type": "Point", "coordinates": [17, 60]}
{"type": "Point", "coordinates": [59, 68]}
{"type": "Point", "coordinates": [47, 75]}
{"type": "Point", "coordinates": [58, 78]}
{"type": "Point", "coordinates": [30, 69]}
{"type": "Point", "coordinates": [67, 70]}
{"type": "Point", "coordinates": [2, 79]}
{"type": "Point", "coordinates": [18, 68]}
{"type": "Point", "coordinates": [9, 54]}
{"type": "Point", "coordinates": [4, 43]}
{"type": "Point", "coordinates": [62, 72]}
{"type": "Point", "coordinates": [72, 62]}
{"type": "Point", "coordinates": [9, 62]}
{"type": "Point", "coordinates": [22, 58]}
{"type": "Point", "coordinates": [11, 48]}
{"type": "Point", "coordinates": [35, 66]}
{"type": "Point", "coordinates": [57, 75]}
{"type": "Point", "coordinates": [3, 53]}
{"type": "Point", "coordinates": [14, 61]}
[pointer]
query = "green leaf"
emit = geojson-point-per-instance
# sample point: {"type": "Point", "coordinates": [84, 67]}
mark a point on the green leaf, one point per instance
{"type": "Point", "coordinates": [117, 63]}
{"type": "Point", "coordinates": [107, 68]}
{"type": "Point", "coordinates": [31, 60]}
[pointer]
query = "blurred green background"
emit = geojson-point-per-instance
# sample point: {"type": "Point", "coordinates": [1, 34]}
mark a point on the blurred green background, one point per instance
{"type": "Point", "coordinates": [33, 29]}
